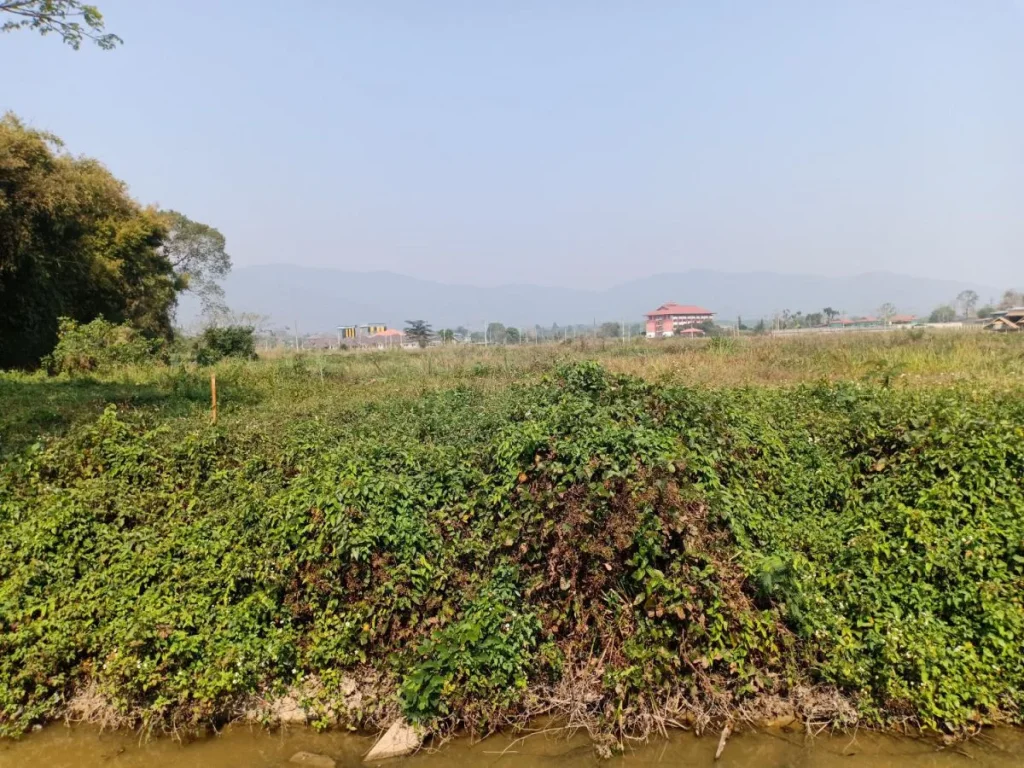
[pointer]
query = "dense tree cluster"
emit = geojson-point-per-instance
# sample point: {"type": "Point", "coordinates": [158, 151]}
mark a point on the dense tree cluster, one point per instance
{"type": "Point", "coordinates": [966, 306]}
{"type": "Point", "coordinates": [74, 244]}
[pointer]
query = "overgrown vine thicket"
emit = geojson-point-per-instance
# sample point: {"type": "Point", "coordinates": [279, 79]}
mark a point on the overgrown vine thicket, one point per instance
{"type": "Point", "coordinates": [673, 541]}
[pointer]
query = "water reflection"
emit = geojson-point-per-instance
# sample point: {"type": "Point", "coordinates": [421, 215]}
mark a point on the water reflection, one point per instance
{"type": "Point", "coordinates": [244, 747]}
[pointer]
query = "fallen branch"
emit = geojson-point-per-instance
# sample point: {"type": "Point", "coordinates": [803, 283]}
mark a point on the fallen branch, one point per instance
{"type": "Point", "coordinates": [726, 733]}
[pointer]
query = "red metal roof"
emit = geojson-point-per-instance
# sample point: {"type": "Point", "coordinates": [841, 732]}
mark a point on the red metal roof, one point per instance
{"type": "Point", "coordinates": [691, 332]}
{"type": "Point", "coordinates": [679, 309]}
{"type": "Point", "coordinates": [388, 332]}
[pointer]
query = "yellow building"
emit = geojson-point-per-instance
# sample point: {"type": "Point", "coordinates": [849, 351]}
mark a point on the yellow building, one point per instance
{"type": "Point", "coordinates": [358, 333]}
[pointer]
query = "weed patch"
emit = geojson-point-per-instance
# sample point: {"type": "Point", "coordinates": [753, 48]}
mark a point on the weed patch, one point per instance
{"type": "Point", "coordinates": [583, 536]}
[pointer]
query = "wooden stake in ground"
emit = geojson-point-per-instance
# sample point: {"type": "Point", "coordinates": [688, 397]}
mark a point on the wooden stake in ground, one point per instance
{"type": "Point", "coordinates": [213, 397]}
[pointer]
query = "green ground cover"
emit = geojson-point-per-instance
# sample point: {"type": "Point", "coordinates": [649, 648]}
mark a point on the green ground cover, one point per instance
{"type": "Point", "coordinates": [714, 522]}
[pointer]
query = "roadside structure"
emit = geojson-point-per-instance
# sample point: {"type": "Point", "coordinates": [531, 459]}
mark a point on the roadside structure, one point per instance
{"type": "Point", "coordinates": [1006, 320]}
{"type": "Point", "coordinates": [671, 318]}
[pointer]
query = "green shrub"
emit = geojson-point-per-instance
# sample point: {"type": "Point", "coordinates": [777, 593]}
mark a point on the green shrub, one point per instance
{"type": "Point", "coordinates": [98, 345]}
{"type": "Point", "coordinates": [474, 542]}
{"type": "Point", "coordinates": [722, 344]}
{"type": "Point", "coordinates": [216, 343]}
{"type": "Point", "coordinates": [479, 663]}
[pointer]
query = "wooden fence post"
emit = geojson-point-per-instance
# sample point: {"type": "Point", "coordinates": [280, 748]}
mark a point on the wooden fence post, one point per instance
{"type": "Point", "coordinates": [213, 397]}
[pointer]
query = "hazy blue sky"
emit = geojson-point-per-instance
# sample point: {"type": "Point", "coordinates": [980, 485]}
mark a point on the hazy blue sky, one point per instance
{"type": "Point", "coordinates": [561, 142]}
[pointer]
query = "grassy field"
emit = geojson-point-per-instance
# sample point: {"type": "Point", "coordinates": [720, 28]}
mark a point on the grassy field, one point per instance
{"type": "Point", "coordinates": [283, 386]}
{"type": "Point", "coordinates": [619, 535]}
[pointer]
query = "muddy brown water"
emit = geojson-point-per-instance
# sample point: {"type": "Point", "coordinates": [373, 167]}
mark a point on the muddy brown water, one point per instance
{"type": "Point", "coordinates": [61, 746]}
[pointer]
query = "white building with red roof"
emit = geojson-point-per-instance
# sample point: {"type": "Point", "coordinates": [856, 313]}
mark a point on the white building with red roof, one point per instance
{"type": "Point", "coordinates": [669, 319]}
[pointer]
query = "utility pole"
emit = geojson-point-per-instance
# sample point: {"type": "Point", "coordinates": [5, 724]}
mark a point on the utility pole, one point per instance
{"type": "Point", "coordinates": [296, 335]}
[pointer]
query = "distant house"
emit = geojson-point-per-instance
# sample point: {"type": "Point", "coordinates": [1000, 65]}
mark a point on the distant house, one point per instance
{"type": "Point", "coordinates": [902, 319]}
{"type": "Point", "coordinates": [387, 338]}
{"type": "Point", "coordinates": [691, 333]}
{"type": "Point", "coordinates": [360, 335]}
{"type": "Point", "coordinates": [669, 319]}
{"type": "Point", "coordinates": [1006, 320]}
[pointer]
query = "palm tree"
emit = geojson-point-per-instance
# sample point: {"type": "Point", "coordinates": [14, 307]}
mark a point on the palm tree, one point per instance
{"type": "Point", "coordinates": [446, 335]}
{"type": "Point", "coordinates": [418, 331]}
{"type": "Point", "coordinates": [830, 314]}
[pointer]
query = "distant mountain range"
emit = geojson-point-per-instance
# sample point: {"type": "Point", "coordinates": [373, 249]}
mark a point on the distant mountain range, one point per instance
{"type": "Point", "coordinates": [321, 299]}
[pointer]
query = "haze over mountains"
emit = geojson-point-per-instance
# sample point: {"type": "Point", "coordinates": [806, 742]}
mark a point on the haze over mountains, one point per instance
{"type": "Point", "coordinates": [320, 299]}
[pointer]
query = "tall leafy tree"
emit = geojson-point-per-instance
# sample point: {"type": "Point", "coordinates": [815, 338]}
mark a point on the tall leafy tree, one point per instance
{"type": "Point", "coordinates": [1012, 298]}
{"type": "Point", "coordinates": [74, 21]}
{"type": "Point", "coordinates": [968, 300]}
{"type": "Point", "coordinates": [496, 333]}
{"type": "Point", "coordinates": [197, 253]}
{"type": "Point", "coordinates": [73, 244]}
